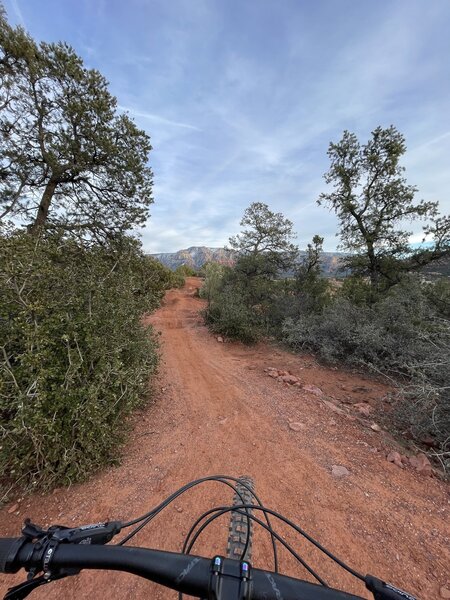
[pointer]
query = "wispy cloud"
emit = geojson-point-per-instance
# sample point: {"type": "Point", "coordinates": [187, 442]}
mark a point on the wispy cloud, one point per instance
{"type": "Point", "coordinates": [157, 118]}
{"type": "Point", "coordinates": [18, 13]}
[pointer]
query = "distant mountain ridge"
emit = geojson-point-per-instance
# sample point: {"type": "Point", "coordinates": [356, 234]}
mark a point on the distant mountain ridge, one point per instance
{"type": "Point", "coordinates": [197, 256]}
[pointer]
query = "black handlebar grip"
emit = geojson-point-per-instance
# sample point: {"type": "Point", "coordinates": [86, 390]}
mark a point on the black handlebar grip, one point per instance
{"type": "Point", "coordinates": [9, 547]}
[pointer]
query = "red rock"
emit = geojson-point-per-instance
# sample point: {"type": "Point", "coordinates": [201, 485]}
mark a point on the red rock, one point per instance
{"type": "Point", "coordinates": [13, 509]}
{"type": "Point", "coordinates": [313, 389]}
{"type": "Point", "coordinates": [423, 459]}
{"type": "Point", "coordinates": [282, 373]}
{"type": "Point", "coordinates": [273, 374]}
{"type": "Point", "coordinates": [363, 409]}
{"type": "Point", "coordinates": [421, 464]}
{"type": "Point", "coordinates": [333, 407]}
{"type": "Point", "coordinates": [413, 461]}
{"type": "Point", "coordinates": [289, 379]}
{"type": "Point", "coordinates": [396, 458]}
{"type": "Point", "coordinates": [339, 471]}
{"type": "Point", "coordinates": [296, 426]}
{"type": "Point", "coordinates": [348, 400]}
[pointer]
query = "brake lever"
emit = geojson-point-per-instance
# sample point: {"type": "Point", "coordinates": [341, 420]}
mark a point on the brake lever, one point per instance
{"type": "Point", "coordinates": [96, 533]}
{"type": "Point", "coordinates": [385, 591]}
{"type": "Point", "coordinates": [18, 592]}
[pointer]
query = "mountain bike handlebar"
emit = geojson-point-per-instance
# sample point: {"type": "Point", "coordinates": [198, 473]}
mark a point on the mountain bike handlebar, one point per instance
{"type": "Point", "coordinates": [59, 551]}
{"type": "Point", "coordinates": [193, 575]}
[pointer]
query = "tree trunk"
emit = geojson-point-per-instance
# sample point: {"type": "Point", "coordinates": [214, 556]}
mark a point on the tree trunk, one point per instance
{"type": "Point", "coordinates": [44, 205]}
{"type": "Point", "coordinates": [373, 267]}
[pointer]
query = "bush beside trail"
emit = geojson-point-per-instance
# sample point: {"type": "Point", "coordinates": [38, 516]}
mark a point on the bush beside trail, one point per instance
{"type": "Point", "coordinates": [405, 335]}
{"type": "Point", "coordinates": [75, 358]}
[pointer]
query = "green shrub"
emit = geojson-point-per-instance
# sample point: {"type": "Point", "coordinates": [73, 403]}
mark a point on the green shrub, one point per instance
{"type": "Point", "coordinates": [186, 271]}
{"type": "Point", "coordinates": [228, 315]}
{"type": "Point", "coordinates": [213, 274]}
{"type": "Point", "coordinates": [161, 278]}
{"type": "Point", "coordinates": [356, 289]}
{"type": "Point", "coordinates": [75, 358]}
{"type": "Point", "coordinates": [404, 334]}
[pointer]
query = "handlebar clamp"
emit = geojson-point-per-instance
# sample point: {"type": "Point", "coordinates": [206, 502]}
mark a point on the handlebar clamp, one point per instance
{"type": "Point", "coordinates": [229, 579]}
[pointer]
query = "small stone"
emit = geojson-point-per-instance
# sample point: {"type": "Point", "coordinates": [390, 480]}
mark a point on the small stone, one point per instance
{"type": "Point", "coordinates": [289, 379]}
{"type": "Point", "coordinates": [313, 389]}
{"type": "Point", "coordinates": [273, 374]}
{"type": "Point", "coordinates": [296, 426]}
{"type": "Point", "coordinates": [445, 592]}
{"type": "Point", "coordinates": [179, 509]}
{"type": "Point", "coordinates": [339, 471]}
{"type": "Point", "coordinates": [348, 400]}
{"type": "Point", "coordinates": [396, 458]}
{"type": "Point", "coordinates": [13, 509]}
{"type": "Point", "coordinates": [363, 408]}
{"type": "Point", "coordinates": [421, 464]}
{"type": "Point", "coordinates": [220, 339]}
{"type": "Point", "coordinates": [413, 461]}
{"type": "Point", "coordinates": [375, 427]}
{"type": "Point", "coordinates": [333, 407]}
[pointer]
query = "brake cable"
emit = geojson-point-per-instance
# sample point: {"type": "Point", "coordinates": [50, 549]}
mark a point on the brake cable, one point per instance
{"type": "Point", "coordinates": [221, 510]}
{"type": "Point", "coordinates": [147, 517]}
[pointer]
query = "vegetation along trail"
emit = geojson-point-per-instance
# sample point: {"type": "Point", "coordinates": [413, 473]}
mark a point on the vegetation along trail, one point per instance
{"type": "Point", "coordinates": [217, 410]}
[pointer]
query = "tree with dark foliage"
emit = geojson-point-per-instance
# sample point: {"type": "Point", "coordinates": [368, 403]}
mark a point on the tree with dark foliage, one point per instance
{"type": "Point", "coordinates": [264, 246]}
{"type": "Point", "coordinates": [67, 158]}
{"type": "Point", "coordinates": [373, 200]}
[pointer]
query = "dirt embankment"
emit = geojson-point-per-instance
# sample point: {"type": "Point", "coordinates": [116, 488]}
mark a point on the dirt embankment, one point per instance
{"type": "Point", "coordinates": [217, 411]}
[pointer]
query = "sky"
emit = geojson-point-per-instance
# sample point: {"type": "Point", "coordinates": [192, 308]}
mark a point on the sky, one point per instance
{"type": "Point", "coordinates": [241, 98]}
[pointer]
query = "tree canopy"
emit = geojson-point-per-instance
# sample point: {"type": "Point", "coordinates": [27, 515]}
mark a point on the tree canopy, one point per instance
{"type": "Point", "coordinates": [373, 201]}
{"type": "Point", "coordinates": [67, 158]}
{"type": "Point", "coordinates": [265, 241]}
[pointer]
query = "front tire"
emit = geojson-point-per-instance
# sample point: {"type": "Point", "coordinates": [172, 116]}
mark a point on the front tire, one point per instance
{"type": "Point", "coordinates": [240, 528]}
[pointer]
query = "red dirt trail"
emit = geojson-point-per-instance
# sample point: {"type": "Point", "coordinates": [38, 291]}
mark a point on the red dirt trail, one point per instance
{"type": "Point", "coordinates": [216, 411]}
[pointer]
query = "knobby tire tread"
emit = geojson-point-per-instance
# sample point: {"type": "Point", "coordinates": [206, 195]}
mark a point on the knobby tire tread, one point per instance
{"type": "Point", "coordinates": [240, 524]}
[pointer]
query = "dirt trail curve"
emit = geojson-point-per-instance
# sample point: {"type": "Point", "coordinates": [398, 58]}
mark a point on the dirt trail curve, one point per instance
{"type": "Point", "coordinates": [216, 411]}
